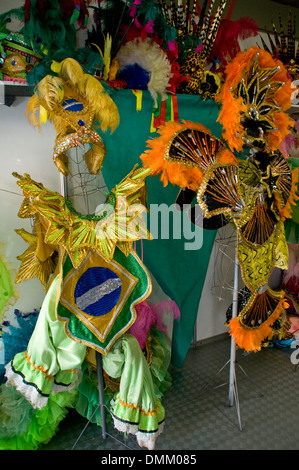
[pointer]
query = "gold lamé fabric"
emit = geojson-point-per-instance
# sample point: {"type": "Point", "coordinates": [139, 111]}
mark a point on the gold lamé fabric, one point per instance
{"type": "Point", "coordinates": [251, 195]}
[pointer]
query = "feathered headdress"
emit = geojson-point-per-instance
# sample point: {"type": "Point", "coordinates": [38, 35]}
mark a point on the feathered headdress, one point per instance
{"type": "Point", "coordinates": [118, 22]}
{"type": "Point", "coordinates": [76, 103]}
{"type": "Point", "coordinates": [254, 97]}
{"type": "Point", "coordinates": [151, 60]}
{"type": "Point", "coordinates": [283, 47]}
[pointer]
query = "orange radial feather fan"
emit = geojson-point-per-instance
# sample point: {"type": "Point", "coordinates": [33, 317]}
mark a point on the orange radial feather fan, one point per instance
{"type": "Point", "coordinates": [183, 152]}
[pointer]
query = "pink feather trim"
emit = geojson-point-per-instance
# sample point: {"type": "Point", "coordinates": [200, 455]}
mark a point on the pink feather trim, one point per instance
{"type": "Point", "coordinates": [151, 315]}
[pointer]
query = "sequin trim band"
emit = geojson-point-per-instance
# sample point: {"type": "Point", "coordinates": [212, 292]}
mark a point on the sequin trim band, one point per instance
{"type": "Point", "coordinates": [138, 408]}
{"type": "Point", "coordinates": [43, 369]}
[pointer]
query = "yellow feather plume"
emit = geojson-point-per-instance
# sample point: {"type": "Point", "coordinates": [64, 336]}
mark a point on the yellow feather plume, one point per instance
{"type": "Point", "coordinates": [51, 91]}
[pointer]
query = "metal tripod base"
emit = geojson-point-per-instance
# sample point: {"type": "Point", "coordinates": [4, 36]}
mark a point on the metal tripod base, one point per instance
{"type": "Point", "coordinates": [100, 406]}
{"type": "Point", "coordinates": [233, 396]}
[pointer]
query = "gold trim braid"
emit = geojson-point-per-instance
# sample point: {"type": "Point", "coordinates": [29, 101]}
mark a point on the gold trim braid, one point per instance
{"type": "Point", "coordinates": [138, 408]}
{"type": "Point", "coordinates": [41, 369]}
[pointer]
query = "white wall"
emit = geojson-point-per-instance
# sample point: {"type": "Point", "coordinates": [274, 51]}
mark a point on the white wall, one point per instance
{"type": "Point", "coordinates": [23, 150]}
{"type": "Point", "coordinates": [217, 293]}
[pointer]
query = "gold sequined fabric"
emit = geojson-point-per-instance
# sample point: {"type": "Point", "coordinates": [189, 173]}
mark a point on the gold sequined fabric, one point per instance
{"type": "Point", "coordinates": [59, 226]}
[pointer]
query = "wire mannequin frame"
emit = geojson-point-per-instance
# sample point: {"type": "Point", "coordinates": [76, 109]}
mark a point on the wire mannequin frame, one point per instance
{"type": "Point", "coordinates": [84, 190]}
{"type": "Point", "coordinates": [224, 263]}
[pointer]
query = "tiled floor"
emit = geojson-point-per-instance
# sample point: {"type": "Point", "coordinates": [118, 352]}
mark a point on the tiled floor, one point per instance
{"type": "Point", "coordinates": [198, 415]}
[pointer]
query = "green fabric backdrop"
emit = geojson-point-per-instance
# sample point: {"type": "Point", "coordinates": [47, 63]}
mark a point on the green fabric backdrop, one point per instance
{"type": "Point", "coordinates": [181, 273]}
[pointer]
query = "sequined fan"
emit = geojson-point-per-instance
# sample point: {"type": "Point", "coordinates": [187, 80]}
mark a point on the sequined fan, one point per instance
{"type": "Point", "coordinates": [192, 147]}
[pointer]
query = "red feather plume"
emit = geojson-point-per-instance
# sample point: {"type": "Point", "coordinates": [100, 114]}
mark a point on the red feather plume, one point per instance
{"type": "Point", "coordinates": [226, 45]}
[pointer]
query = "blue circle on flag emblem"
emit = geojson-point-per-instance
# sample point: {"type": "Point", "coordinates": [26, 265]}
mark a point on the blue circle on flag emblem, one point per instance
{"type": "Point", "coordinates": [97, 291]}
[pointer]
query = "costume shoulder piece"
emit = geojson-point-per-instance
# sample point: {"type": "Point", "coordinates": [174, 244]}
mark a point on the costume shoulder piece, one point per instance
{"type": "Point", "coordinates": [59, 228]}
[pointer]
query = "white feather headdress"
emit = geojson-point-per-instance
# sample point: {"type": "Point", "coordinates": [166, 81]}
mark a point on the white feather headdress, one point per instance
{"type": "Point", "coordinates": [149, 56]}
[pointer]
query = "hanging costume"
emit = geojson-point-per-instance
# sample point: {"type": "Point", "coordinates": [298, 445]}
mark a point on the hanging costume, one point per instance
{"type": "Point", "coordinates": [255, 193]}
{"type": "Point", "coordinates": [95, 282]}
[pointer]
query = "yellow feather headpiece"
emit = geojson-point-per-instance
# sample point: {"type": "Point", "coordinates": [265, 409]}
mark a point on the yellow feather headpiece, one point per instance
{"type": "Point", "coordinates": [76, 103]}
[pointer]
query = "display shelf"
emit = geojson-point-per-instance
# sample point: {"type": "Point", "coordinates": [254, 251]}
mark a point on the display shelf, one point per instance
{"type": "Point", "coordinates": [10, 89]}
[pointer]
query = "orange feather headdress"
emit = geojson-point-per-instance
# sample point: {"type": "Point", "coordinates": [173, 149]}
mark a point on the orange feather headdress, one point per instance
{"type": "Point", "coordinates": [254, 97]}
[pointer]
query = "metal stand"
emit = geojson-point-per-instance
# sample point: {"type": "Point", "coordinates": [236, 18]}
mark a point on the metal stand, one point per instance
{"type": "Point", "coordinates": [101, 405]}
{"type": "Point", "coordinates": [233, 396]}
{"type": "Point", "coordinates": [101, 393]}
{"type": "Point", "coordinates": [233, 390]}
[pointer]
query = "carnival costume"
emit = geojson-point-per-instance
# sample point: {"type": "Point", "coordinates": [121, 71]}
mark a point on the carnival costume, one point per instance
{"type": "Point", "coordinates": [254, 192]}
{"type": "Point", "coordinates": [96, 289]}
